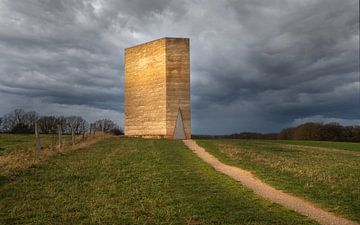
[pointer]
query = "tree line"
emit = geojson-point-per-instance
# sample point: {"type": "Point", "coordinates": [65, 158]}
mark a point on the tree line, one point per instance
{"type": "Point", "coordinates": [322, 132]}
{"type": "Point", "coordinates": [20, 121]}
{"type": "Point", "coordinates": [306, 131]}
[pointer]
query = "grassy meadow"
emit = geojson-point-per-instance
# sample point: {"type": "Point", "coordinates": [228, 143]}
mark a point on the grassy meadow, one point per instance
{"type": "Point", "coordinates": [18, 142]}
{"type": "Point", "coordinates": [133, 181]}
{"type": "Point", "coordinates": [17, 151]}
{"type": "Point", "coordinates": [327, 173]}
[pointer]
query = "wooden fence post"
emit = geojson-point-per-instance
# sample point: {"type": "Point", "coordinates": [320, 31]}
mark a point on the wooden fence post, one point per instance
{"type": "Point", "coordinates": [72, 136]}
{"type": "Point", "coordinates": [83, 132]}
{"type": "Point", "coordinates": [60, 137]}
{"type": "Point", "coordinates": [37, 142]}
{"type": "Point", "coordinates": [90, 129]}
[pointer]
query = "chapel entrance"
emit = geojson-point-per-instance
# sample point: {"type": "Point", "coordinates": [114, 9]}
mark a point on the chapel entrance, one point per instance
{"type": "Point", "coordinates": [179, 132]}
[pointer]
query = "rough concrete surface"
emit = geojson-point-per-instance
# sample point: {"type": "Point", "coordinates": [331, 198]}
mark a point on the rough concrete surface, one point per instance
{"type": "Point", "coordinates": [157, 85]}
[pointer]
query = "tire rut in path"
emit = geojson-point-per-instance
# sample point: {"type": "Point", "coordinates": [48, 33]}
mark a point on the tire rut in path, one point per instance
{"type": "Point", "coordinates": [268, 192]}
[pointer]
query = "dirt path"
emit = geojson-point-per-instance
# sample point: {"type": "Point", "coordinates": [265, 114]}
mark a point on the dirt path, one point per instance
{"type": "Point", "coordinates": [268, 192]}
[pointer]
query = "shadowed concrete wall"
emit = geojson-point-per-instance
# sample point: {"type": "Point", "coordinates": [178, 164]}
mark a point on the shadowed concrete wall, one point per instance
{"type": "Point", "coordinates": [177, 84]}
{"type": "Point", "coordinates": [157, 85]}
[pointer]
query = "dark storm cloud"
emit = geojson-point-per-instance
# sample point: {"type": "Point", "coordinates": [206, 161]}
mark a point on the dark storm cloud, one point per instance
{"type": "Point", "coordinates": [255, 65]}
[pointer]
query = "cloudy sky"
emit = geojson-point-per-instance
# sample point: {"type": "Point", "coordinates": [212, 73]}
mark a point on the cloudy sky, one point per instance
{"type": "Point", "coordinates": [256, 65]}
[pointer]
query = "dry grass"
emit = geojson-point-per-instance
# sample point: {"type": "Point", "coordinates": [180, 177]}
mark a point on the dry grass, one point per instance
{"type": "Point", "coordinates": [305, 165]}
{"type": "Point", "coordinates": [324, 150]}
{"type": "Point", "coordinates": [327, 175]}
{"type": "Point", "coordinates": [134, 181]}
{"type": "Point", "coordinates": [23, 159]}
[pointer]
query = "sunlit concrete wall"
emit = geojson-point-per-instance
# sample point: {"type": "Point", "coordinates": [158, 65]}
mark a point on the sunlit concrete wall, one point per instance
{"type": "Point", "coordinates": [157, 84]}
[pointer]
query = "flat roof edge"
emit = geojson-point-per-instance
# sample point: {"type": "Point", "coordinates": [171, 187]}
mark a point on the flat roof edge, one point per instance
{"type": "Point", "coordinates": [159, 39]}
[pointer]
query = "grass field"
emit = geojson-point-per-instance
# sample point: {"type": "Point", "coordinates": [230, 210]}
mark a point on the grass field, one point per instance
{"type": "Point", "coordinates": [18, 142]}
{"type": "Point", "coordinates": [17, 151]}
{"type": "Point", "coordinates": [133, 181]}
{"type": "Point", "coordinates": [324, 172]}
{"type": "Point", "coordinates": [324, 144]}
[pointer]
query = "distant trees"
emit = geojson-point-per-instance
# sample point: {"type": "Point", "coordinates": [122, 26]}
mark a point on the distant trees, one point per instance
{"type": "Point", "coordinates": [306, 131]}
{"type": "Point", "coordinates": [48, 124]}
{"type": "Point", "coordinates": [104, 125]}
{"type": "Point", "coordinates": [254, 135]}
{"type": "Point", "coordinates": [19, 121]}
{"type": "Point", "coordinates": [76, 123]}
{"type": "Point", "coordinates": [242, 135]}
{"type": "Point", "coordinates": [286, 134]}
{"type": "Point", "coordinates": [322, 132]}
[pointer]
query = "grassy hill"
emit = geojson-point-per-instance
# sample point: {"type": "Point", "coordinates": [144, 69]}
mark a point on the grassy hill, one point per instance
{"type": "Point", "coordinates": [17, 151]}
{"type": "Point", "coordinates": [324, 172]}
{"type": "Point", "coordinates": [133, 181]}
{"type": "Point", "coordinates": [10, 143]}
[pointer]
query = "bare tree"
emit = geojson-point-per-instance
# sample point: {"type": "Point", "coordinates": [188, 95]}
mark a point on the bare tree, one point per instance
{"type": "Point", "coordinates": [18, 116]}
{"type": "Point", "coordinates": [77, 123]}
{"type": "Point", "coordinates": [10, 120]}
{"type": "Point", "coordinates": [30, 119]}
{"type": "Point", "coordinates": [105, 125]}
{"type": "Point", "coordinates": [19, 121]}
{"type": "Point", "coordinates": [48, 124]}
{"type": "Point", "coordinates": [61, 120]}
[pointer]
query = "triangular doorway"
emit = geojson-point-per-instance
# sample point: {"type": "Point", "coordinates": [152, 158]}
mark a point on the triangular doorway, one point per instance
{"type": "Point", "coordinates": [179, 132]}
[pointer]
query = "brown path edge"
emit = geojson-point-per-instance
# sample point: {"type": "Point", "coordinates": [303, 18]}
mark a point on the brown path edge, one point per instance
{"type": "Point", "coordinates": [268, 192]}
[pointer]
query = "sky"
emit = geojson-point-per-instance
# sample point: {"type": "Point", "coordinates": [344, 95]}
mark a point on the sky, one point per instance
{"type": "Point", "coordinates": [256, 65]}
